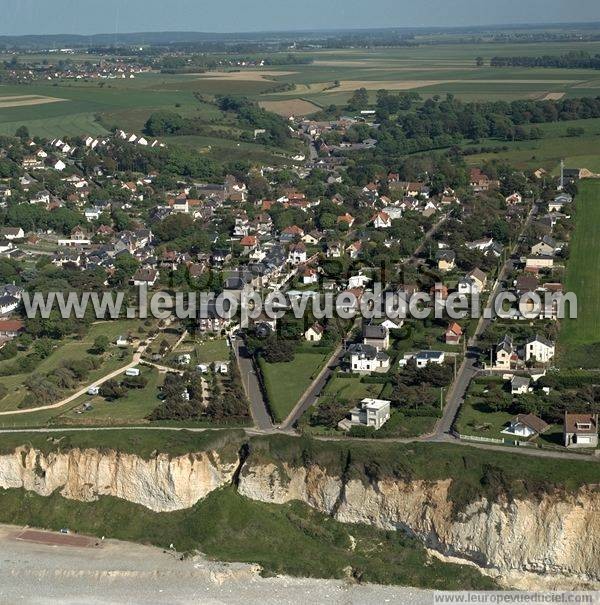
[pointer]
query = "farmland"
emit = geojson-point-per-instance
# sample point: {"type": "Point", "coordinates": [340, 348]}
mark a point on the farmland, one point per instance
{"type": "Point", "coordinates": [71, 108]}
{"type": "Point", "coordinates": [580, 338]}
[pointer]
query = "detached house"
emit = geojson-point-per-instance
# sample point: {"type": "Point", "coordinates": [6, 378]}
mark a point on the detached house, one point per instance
{"type": "Point", "coordinates": [297, 254]}
{"type": "Point", "coordinates": [145, 277]}
{"type": "Point", "coordinates": [539, 349]}
{"type": "Point", "coordinates": [453, 334]}
{"type": "Point", "coordinates": [314, 333]}
{"type": "Point", "coordinates": [365, 358]}
{"type": "Point", "coordinates": [446, 260]}
{"type": "Point", "coordinates": [377, 336]}
{"type": "Point", "coordinates": [580, 430]}
{"type": "Point", "coordinates": [506, 355]}
{"type": "Point", "coordinates": [526, 425]}
{"type": "Point", "coordinates": [382, 220]}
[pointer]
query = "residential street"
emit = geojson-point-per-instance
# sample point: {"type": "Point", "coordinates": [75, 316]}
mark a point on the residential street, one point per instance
{"type": "Point", "coordinates": [468, 370]}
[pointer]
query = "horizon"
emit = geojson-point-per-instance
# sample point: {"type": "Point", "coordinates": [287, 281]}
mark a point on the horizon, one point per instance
{"type": "Point", "coordinates": [66, 17]}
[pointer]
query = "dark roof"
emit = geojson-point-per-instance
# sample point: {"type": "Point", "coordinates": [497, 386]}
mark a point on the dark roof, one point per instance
{"type": "Point", "coordinates": [533, 422]}
{"type": "Point", "coordinates": [371, 331]}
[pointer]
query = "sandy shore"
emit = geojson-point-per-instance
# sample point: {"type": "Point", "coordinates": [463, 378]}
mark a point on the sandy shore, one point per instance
{"type": "Point", "coordinates": [120, 572]}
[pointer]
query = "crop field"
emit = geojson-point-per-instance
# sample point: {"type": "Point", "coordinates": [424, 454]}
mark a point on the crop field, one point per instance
{"type": "Point", "coordinates": [579, 341]}
{"type": "Point", "coordinates": [70, 108]}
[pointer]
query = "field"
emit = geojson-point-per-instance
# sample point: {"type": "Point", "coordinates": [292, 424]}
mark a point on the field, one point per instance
{"type": "Point", "coordinates": [579, 341]}
{"type": "Point", "coordinates": [285, 382]}
{"type": "Point", "coordinates": [89, 107]}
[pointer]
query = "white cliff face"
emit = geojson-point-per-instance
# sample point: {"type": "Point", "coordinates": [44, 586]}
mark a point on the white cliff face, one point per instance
{"type": "Point", "coordinates": [556, 535]}
{"type": "Point", "coordinates": [162, 483]}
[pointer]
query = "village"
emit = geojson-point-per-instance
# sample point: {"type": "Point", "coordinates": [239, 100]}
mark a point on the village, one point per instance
{"type": "Point", "coordinates": [72, 211]}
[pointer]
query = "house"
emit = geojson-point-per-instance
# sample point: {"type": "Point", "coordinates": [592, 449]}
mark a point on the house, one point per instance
{"type": "Point", "coordinates": [377, 336]}
{"type": "Point", "coordinates": [446, 260]}
{"type": "Point", "coordinates": [309, 275]}
{"type": "Point", "coordinates": [11, 233]}
{"type": "Point", "coordinates": [365, 358]}
{"type": "Point", "coordinates": [314, 333]}
{"type": "Point", "coordinates": [580, 430]}
{"type": "Point", "coordinates": [519, 385]}
{"type": "Point", "coordinates": [506, 355]}
{"type": "Point", "coordinates": [453, 334]}
{"type": "Point", "coordinates": [515, 198]}
{"type": "Point", "coordinates": [122, 341]}
{"type": "Point", "coordinates": [334, 250]}
{"type": "Point", "coordinates": [11, 328]}
{"type": "Point", "coordinates": [424, 358]}
{"type": "Point", "coordinates": [480, 182]}
{"type": "Point", "coordinates": [539, 262]}
{"type": "Point", "coordinates": [547, 246]}
{"type": "Point", "coordinates": [297, 254]}
{"type": "Point", "coordinates": [132, 372]}
{"type": "Point", "coordinates": [382, 220]}
{"type": "Point", "coordinates": [371, 412]}
{"type": "Point", "coordinates": [559, 202]}
{"type": "Point", "coordinates": [8, 304]}
{"type": "Point", "coordinates": [289, 234]}
{"type": "Point", "coordinates": [526, 425]}
{"type": "Point", "coordinates": [539, 349]}
{"type": "Point", "coordinates": [346, 219]}
{"type": "Point", "coordinates": [353, 250]}
{"type": "Point", "coordinates": [248, 244]}
{"type": "Point", "coordinates": [145, 277]}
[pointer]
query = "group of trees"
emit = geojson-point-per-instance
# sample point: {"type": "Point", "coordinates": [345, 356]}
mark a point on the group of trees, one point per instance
{"type": "Point", "coordinates": [570, 60]}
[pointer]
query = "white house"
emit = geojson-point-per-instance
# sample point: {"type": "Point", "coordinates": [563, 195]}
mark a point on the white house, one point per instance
{"type": "Point", "coordinates": [526, 425]}
{"type": "Point", "coordinates": [424, 358]}
{"type": "Point", "coordinates": [382, 220]}
{"type": "Point", "coordinates": [132, 372]}
{"type": "Point", "coordinates": [371, 412]}
{"type": "Point", "coordinates": [314, 333]}
{"type": "Point", "coordinates": [519, 385]}
{"type": "Point", "coordinates": [365, 358]}
{"type": "Point", "coordinates": [59, 165]}
{"type": "Point", "coordinates": [539, 349]}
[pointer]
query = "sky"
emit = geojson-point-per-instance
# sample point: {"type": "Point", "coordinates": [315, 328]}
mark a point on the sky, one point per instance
{"type": "Point", "coordinates": [121, 16]}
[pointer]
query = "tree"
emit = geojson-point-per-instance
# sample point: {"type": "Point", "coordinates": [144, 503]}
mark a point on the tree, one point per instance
{"type": "Point", "coordinates": [22, 133]}
{"type": "Point", "coordinates": [359, 100]}
{"type": "Point", "coordinates": [100, 344]}
{"type": "Point", "coordinates": [112, 390]}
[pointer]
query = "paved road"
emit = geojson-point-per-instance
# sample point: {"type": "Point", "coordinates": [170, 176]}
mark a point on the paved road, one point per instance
{"type": "Point", "coordinates": [310, 396]}
{"type": "Point", "coordinates": [468, 370]}
{"type": "Point", "coordinates": [258, 405]}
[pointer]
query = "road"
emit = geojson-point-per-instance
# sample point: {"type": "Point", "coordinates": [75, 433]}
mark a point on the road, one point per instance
{"type": "Point", "coordinates": [258, 405]}
{"type": "Point", "coordinates": [468, 369]}
{"type": "Point", "coordinates": [310, 396]}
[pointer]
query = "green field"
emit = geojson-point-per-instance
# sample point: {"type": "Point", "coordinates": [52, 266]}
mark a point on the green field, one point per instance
{"type": "Point", "coordinates": [429, 70]}
{"type": "Point", "coordinates": [285, 382]}
{"type": "Point", "coordinates": [579, 342]}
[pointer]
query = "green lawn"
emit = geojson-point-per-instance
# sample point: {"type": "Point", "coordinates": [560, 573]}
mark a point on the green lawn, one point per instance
{"type": "Point", "coordinates": [285, 382]}
{"type": "Point", "coordinates": [579, 342]}
{"type": "Point", "coordinates": [351, 388]}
